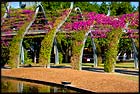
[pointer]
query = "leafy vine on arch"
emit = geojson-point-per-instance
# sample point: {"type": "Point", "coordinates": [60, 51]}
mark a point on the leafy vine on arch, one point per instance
{"type": "Point", "coordinates": [47, 43]}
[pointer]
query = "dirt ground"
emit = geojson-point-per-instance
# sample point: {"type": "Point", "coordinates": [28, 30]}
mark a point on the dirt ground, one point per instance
{"type": "Point", "coordinates": [95, 81]}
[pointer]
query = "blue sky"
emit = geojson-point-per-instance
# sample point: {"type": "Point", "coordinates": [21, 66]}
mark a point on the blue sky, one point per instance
{"type": "Point", "coordinates": [136, 4]}
{"type": "Point", "coordinates": [16, 4]}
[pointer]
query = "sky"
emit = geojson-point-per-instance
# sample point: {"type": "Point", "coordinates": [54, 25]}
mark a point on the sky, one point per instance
{"type": "Point", "coordinates": [136, 4]}
{"type": "Point", "coordinates": [16, 4]}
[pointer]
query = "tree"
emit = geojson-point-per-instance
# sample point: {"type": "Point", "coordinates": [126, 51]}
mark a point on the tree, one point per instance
{"type": "Point", "coordinates": [52, 6]}
{"type": "Point", "coordinates": [119, 8]}
{"type": "Point", "coordinates": [103, 8]}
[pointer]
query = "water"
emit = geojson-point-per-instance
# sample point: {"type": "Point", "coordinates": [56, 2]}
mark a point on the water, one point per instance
{"type": "Point", "coordinates": [16, 86]}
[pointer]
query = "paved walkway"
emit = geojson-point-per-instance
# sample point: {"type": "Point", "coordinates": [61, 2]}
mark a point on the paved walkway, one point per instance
{"type": "Point", "coordinates": [90, 80]}
{"type": "Point", "coordinates": [133, 72]}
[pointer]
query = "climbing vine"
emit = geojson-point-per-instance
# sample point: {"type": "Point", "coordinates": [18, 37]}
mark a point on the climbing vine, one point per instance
{"type": "Point", "coordinates": [64, 44]}
{"type": "Point", "coordinates": [59, 37]}
{"type": "Point", "coordinates": [47, 43]}
{"type": "Point", "coordinates": [46, 47]}
{"type": "Point", "coordinates": [15, 45]}
{"type": "Point", "coordinates": [4, 54]}
{"type": "Point", "coordinates": [76, 49]}
{"type": "Point", "coordinates": [112, 49]}
{"type": "Point", "coordinates": [60, 58]}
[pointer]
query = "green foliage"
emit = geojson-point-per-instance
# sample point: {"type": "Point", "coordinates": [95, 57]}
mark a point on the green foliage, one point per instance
{"type": "Point", "coordinates": [30, 7]}
{"type": "Point", "coordinates": [137, 43]}
{"type": "Point", "coordinates": [3, 9]}
{"type": "Point", "coordinates": [30, 89]}
{"type": "Point", "coordinates": [101, 45]}
{"type": "Point", "coordinates": [78, 41]}
{"type": "Point", "coordinates": [60, 57]}
{"type": "Point", "coordinates": [53, 6]}
{"type": "Point", "coordinates": [4, 54]}
{"type": "Point", "coordinates": [119, 8]}
{"type": "Point", "coordinates": [46, 47]}
{"type": "Point", "coordinates": [101, 41]}
{"type": "Point", "coordinates": [88, 42]}
{"type": "Point", "coordinates": [112, 49]}
{"type": "Point", "coordinates": [87, 6]}
{"type": "Point", "coordinates": [27, 60]}
{"type": "Point", "coordinates": [125, 44]}
{"type": "Point", "coordinates": [8, 86]}
{"type": "Point", "coordinates": [103, 8]}
{"type": "Point", "coordinates": [64, 44]}
{"type": "Point", "coordinates": [76, 49]}
{"type": "Point", "coordinates": [47, 43]}
{"type": "Point", "coordinates": [14, 47]}
{"type": "Point", "coordinates": [44, 89]}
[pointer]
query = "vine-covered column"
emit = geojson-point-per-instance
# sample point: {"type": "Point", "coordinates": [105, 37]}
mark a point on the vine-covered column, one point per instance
{"type": "Point", "coordinates": [14, 46]}
{"type": "Point", "coordinates": [78, 44]}
{"type": "Point", "coordinates": [47, 43]}
{"type": "Point", "coordinates": [112, 49]}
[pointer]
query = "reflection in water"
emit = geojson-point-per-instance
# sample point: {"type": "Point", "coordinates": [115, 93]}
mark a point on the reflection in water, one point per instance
{"type": "Point", "coordinates": [8, 85]}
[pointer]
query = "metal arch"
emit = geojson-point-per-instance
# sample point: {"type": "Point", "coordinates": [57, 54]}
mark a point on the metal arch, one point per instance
{"type": "Point", "coordinates": [136, 60]}
{"type": "Point", "coordinates": [71, 7]}
{"type": "Point", "coordinates": [94, 52]}
{"type": "Point", "coordinates": [21, 48]}
{"type": "Point", "coordinates": [6, 12]}
{"type": "Point", "coordinates": [109, 11]}
{"type": "Point", "coordinates": [93, 46]}
{"type": "Point", "coordinates": [57, 30]}
{"type": "Point", "coordinates": [78, 9]}
{"type": "Point", "coordinates": [58, 27]}
{"type": "Point", "coordinates": [27, 28]}
{"type": "Point", "coordinates": [54, 39]}
{"type": "Point", "coordinates": [21, 53]}
{"type": "Point", "coordinates": [56, 51]}
{"type": "Point", "coordinates": [40, 5]}
{"type": "Point", "coordinates": [86, 35]}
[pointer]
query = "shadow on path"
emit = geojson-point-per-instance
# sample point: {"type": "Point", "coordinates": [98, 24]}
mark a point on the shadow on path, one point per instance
{"type": "Point", "coordinates": [3, 67]}
{"type": "Point", "coordinates": [122, 71]}
{"type": "Point", "coordinates": [129, 72]}
{"type": "Point", "coordinates": [60, 67]}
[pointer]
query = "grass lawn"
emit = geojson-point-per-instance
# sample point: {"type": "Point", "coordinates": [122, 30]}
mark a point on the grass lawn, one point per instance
{"type": "Point", "coordinates": [129, 65]}
{"type": "Point", "coordinates": [134, 78]}
{"type": "Point", "coordinates": [125, 65]}
{"type": "Point", "coordinates": [117, 65]}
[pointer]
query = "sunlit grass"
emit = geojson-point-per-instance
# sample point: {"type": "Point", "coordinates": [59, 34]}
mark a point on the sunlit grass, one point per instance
{"type": "Point", "coordinates": [129, 77]}
{"type": "Point", "coordinates": [125, 65]}
{"type": "Point", "coordinates": [117, 65]}
{"type": "Point", "coordinates": [134, 78]}
{"type": "Point", "coordinates": [129, 65]}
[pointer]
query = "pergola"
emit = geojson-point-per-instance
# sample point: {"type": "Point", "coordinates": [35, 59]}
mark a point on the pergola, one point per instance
{"type": "Point", "coordinates": [40, 26]}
